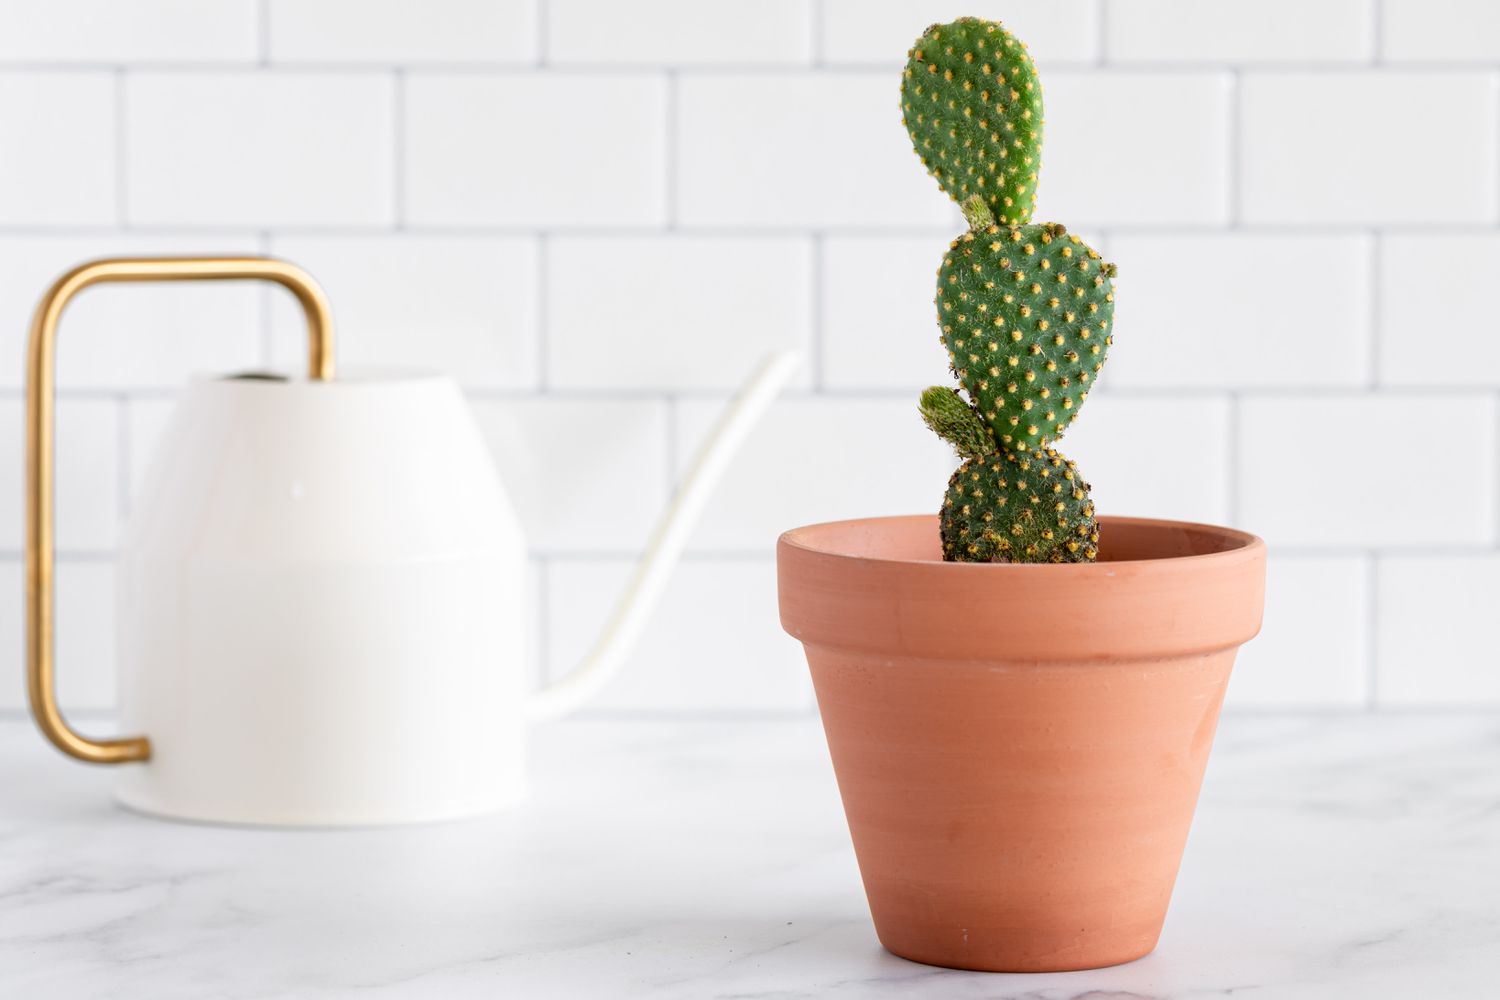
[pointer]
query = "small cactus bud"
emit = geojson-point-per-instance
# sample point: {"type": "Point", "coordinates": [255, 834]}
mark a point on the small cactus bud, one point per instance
{"type": "Point", "coordinates": [951, 418]}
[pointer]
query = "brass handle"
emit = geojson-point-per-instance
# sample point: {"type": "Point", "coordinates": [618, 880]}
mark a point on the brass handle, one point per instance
{"type": "Point", "coordinates": [40, 378]}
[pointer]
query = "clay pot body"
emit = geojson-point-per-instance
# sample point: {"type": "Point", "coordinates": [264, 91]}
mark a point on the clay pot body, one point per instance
{"type": "Point", "coordinates": [1019, 747]}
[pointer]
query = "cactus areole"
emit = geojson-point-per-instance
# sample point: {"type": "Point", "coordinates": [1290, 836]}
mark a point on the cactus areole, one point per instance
{"type": "Point", "coordinates": [1026, 310]}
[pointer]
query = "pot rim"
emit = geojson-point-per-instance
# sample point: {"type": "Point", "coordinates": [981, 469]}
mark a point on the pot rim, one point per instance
{"type": "Point", "coordinates": [862, 586]}
{"type": "Point", "coordinates": [1241, 543]}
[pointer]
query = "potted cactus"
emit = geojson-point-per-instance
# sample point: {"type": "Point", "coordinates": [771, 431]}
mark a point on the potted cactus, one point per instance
{"type": "Point", "coordinates": [1019, 695]}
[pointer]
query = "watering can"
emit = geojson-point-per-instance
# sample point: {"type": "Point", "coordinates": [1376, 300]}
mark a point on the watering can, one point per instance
{"type": "Point", "coordinates": [321, 587]}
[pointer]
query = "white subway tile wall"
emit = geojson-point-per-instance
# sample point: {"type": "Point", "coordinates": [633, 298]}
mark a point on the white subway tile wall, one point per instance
{"type": "Point", "coordinates": [599, 214]}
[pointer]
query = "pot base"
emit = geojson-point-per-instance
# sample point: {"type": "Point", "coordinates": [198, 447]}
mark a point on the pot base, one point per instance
{"type": "Point", "coordinates": [1018, 960]}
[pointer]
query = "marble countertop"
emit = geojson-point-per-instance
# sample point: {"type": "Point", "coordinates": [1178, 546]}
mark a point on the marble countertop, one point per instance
{"type": "Point", "coordinates": [1332, 857]}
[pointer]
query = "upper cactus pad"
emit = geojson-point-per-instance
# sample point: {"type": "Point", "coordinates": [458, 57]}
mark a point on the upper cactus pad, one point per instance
{"type": "Point", "coordinates": [1026, 314]}
{"type": "Point", "coordinates": [973, 106]}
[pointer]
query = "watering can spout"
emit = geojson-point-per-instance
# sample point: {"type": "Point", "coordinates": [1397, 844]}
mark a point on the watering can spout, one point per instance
{"type": "Point", "coordinates": [641, 594]}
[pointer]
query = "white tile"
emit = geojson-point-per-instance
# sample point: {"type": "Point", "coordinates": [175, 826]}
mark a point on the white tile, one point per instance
{"type": "Point", "coordinates": [465, 305]}
{"type": "Point", "coordinates": [799, 149]}
{"type": "Point", "coordinates": [816, 459]}
{"type": "Point", "coordinates": [12, 636]}
{"type": "Point", "coordinates": [399, 31]}
{"type": "Point", "coordinates": [58, 163]}
{"type": "Point", "coordinates": [1437, 318]}
{"type": "Point", "coordinates": [87, 472]}
{"type": "Point", "coordinates": [1238, 310]}
{"type": "Point", "coordinates": [1235, 32]}
{"type": "Point", "coordinates": [129, 31]}
{"type": "Point", "coordinates": [1433, 30]}
{"type": "Point", "coordinates": [84, 636]}
{"type": "Point", "coordinates": [1436, 630]}
{"type": "Point", "coordinates": [473, 155]}
{"type": "Point", "coordinates": [1096, 168]}
{"type": "Point", "coordinates": [1148, 457]}
{"type": "Point", "coordinates": [881, 31]}
{"type": "Point", "coordinates": [532, 602]}
{"type": "Point", "coordinates": [133, 336]}
{"type": "Point", "coordinates": [714, 644]}
{"type": "Point", "coordinates": [880, 327]}
{"type": "Point", "coordinates": [679, 32]}
{"type": "Point", "coordinates": [1312, 650]}
{"type": "Point", "coordinates": [260, 149]}
{"type": "Point", "coordinates": [1408, 469]}
{"type": "Point", "coordinates": [585, 475]}
{"type": "Point", "coordinates": [145, 420]}
{"type": "Point", "coordinates": [1320, 147]}
{"type": "Point", "coordinates": [673, 312]}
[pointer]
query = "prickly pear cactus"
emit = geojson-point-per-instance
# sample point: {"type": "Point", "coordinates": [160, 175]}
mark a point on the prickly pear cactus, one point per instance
{"type": "Point", "coordinates": [1025, 313]}
{"type": "Point", "coordinates": [973, 107]}
{"type": "Point", "coordinates": [1026, 310]}
{"type": "Point", "coordinates": [1029, 506]}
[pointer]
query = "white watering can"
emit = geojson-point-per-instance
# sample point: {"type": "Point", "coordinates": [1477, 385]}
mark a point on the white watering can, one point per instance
{"type": "Point", "coordinates": [320, 600]}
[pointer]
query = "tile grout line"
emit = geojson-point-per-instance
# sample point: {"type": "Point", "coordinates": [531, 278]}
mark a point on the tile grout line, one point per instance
{"type": "Point", "coordinates": [398, 150]}
{"type": "Point", "coordinates": [670, 453]}
{"type": "Point", "coordinates": [266, 305]}
{"type": "Point", "coordinates": [263, 34]}
{"type": "Point", "coordinates": [520, 67]}
{"type": "Point", "coordinates": [543, 578]}
{"type": "Point", "coordinates": [1232, 449]}
{"type": "Point", "coordinates": [122, 152]}
{"type": "Point", "coordinates": [483, 231]}
{"type": "Point", "coordinates": [816, 12]}
{"type": "Point", "coordinates": [1375, 264]}
{"type": "Point", "coordinates": [670, 160]}
{"type": "Point", "coordinates": [543, 313]}
{"type": "Point", "coordinates": [543, 33]}
{"type": "Point", "coordinates": [1372, 631]}
{"type": "Point", "coordinates": [816, 349]}
{"type": "Point", "coordinates": [1451, 551]}
{"type": "Point", "coordinates": [1236, 179]}
{"type": "Point", "coordinates": [123, 475]}
{"type": "Point", "coordinates": [1495, 470]}
{"type": "Point", "coordinates": [1101, 37]}
{"type": "Point", "coordinates": [881, 393]}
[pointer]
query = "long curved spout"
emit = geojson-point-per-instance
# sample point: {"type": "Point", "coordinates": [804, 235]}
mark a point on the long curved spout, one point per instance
{"type": "Point", "coordinates": [643, 591]}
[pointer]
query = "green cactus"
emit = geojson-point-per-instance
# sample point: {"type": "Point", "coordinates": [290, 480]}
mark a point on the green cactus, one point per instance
{"type": "Point", "coordinates": [973, 107]}
{"type": "Point", "coordinates": [1028, 506]}
{"type": "Point", "coordinates": [1026, 311]}
{"type": "Point", "coordinates": [1026, 314]}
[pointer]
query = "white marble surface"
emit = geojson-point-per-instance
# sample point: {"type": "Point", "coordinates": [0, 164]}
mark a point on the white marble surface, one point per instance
{"type": "Point", "coordinates": [1353, 857]}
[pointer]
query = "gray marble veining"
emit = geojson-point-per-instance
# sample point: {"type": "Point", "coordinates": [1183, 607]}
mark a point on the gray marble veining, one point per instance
{"type": "Point", "coordinates": [1331, 857]}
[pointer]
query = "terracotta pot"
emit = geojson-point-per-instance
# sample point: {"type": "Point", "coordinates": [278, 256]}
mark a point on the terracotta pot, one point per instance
{"type": "Point", "coordinates": [1019, 747]}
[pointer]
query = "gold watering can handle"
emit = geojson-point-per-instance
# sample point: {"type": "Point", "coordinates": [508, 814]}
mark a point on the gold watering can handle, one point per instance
{"type": "Point", "coordinates": [40, 378]}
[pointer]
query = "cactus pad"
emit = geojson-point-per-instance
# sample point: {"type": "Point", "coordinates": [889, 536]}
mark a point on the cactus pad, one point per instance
{"type": "Point", "coordinates": [1019, 507]}
{"type": "Point", "coordinates": [972, 104]}
{"type": "Point", "coordinates": [951, 418]}
{"type": "Point", "coordinates": [1026, 314]}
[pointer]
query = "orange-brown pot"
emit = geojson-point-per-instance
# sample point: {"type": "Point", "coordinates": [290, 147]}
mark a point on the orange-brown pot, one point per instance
{"type": "Point", "coordinates": [1019, 747]}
